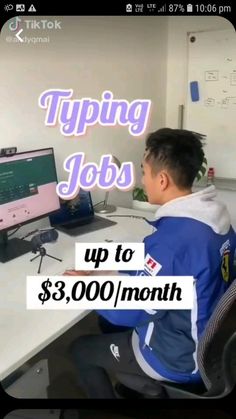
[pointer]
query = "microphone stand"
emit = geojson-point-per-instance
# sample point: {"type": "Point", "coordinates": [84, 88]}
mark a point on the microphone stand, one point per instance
{"type": "Point", "coordinates": [42, 253]}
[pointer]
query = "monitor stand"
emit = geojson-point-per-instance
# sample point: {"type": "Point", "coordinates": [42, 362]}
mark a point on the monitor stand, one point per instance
{"type": "Point", "coordinates": [11, 249]}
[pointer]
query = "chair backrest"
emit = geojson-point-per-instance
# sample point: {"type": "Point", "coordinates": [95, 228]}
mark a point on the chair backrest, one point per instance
{"type": "Point", "coordinates": [216, 350]}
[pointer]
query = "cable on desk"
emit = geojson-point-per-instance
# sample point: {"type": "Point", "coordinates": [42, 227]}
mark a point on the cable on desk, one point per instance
{"type": "Point", "coordinates": [11, 234]}
{"type": "Point", "coordinates": [29, 234]}
{"type": "Point", "coordinates": [103, 201]}
{"type": "Point", "coordinates": [128, 216]}
{"type": "Point", "coordinates": [38, 230]}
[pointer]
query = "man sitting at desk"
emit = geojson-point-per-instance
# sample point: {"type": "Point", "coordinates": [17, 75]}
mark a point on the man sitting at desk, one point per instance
{"type": "Point", "coordinates": [193, 237]}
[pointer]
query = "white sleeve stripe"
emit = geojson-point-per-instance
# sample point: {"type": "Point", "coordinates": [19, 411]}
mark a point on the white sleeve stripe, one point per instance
{"type": "Point", "coordinates": [194, 330]}
{"type": "Point", "coordinates": [151, 311]}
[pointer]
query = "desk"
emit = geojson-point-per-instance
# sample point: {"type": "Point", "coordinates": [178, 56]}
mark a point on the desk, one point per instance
{"type": "Point", "coordinates": [25, 333]}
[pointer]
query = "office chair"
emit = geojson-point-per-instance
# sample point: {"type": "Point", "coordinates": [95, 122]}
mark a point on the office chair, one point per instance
{"type": "Point", "coordinates": [29, 382]}
{"type": "Point", "coordinates": [216, 355]}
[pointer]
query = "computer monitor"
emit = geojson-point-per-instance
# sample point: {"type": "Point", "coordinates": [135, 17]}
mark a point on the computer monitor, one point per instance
{"type": "Point", "coordinates": [27, 193]}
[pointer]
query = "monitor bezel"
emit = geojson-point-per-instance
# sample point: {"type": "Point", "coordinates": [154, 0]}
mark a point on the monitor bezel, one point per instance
{"type": "Point", "coordinates": [32, 220]}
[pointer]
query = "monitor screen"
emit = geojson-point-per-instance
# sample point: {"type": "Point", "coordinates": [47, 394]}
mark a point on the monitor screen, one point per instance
{"type": "Point", "coordinates": [27, 187]}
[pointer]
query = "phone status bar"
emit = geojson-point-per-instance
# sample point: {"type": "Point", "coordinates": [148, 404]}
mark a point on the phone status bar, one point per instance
{"type": "Point", "coordinates": [177, 8]}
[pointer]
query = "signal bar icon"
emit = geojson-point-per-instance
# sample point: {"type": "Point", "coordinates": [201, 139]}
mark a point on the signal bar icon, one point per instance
{"type": "Point", "coordinates": [162, 9]}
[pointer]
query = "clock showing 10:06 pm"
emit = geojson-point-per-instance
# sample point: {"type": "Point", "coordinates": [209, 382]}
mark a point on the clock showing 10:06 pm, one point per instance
{"type": "Point", "coordinates": [212, 8]}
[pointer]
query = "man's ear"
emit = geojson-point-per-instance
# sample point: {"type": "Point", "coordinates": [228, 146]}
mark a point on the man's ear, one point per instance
{"type": "Point", "coordinates": [164, 180]}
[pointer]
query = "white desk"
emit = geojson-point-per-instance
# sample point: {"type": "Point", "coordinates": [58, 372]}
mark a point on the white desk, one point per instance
{"type": "Point", "coordinates": [24, 333]}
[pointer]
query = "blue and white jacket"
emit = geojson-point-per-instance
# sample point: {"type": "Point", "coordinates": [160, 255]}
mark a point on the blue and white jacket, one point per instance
{"type": "Point", "coordinates": [193, 237]}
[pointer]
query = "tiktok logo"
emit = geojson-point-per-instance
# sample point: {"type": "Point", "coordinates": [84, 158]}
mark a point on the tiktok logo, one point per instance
{"type": "Point", "coordinates": [15, 24]}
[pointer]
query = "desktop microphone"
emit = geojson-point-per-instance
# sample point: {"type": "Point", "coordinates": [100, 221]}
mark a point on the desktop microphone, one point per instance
{"type": "Point", "coordinates": [46, 237]}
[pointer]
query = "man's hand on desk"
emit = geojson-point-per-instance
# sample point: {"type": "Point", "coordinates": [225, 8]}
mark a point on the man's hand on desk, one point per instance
{"type": "Point", "coordinates": [77, 273]}
{"type": "Point", "coordinates": [89, 273]}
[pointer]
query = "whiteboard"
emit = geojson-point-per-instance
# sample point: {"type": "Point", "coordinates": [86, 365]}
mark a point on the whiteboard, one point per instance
{"type": "Point", "coordinates": [212, 63]}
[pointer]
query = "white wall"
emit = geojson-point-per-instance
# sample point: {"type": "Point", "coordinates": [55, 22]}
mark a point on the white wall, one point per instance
{"type": "Point", "coordinates": [127, 55]}
{"type": "Point", "coordinates": [178, 27]}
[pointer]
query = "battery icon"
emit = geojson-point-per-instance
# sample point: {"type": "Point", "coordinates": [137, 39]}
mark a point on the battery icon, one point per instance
{"type": "Point", "coordinates": [189, 8]}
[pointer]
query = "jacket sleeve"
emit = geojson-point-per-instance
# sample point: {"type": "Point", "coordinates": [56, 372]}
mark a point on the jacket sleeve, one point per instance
{"type": "Point", "coordinates": [158, 261]}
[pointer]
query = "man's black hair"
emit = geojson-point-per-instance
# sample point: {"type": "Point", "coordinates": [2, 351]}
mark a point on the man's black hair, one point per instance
{"type": "Point", "coordinates": [179, 151]}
